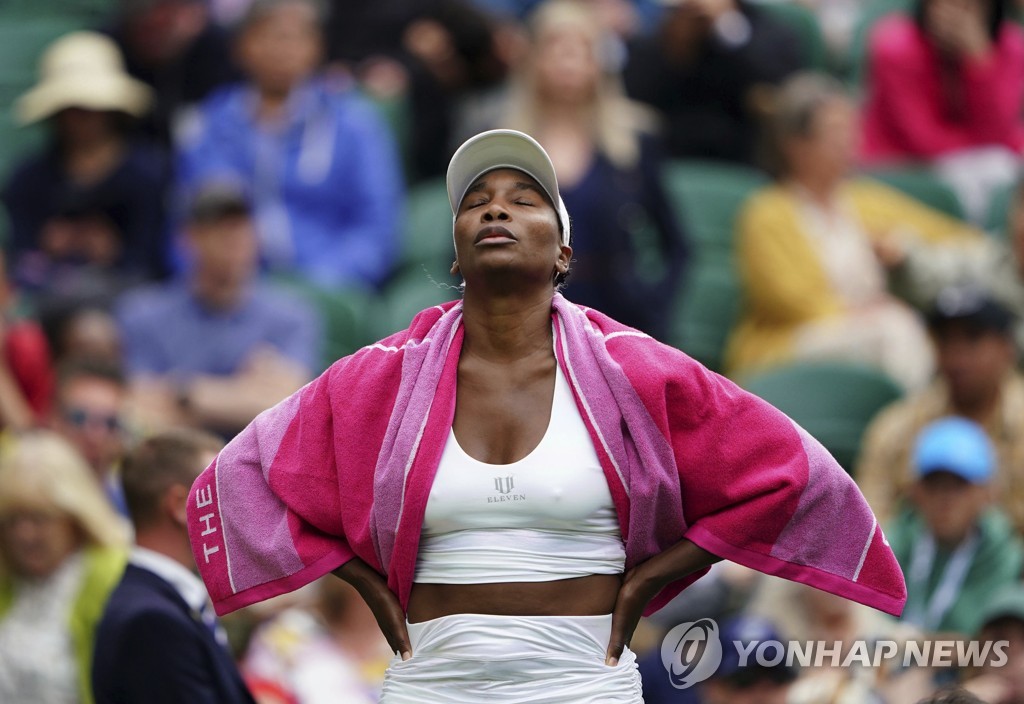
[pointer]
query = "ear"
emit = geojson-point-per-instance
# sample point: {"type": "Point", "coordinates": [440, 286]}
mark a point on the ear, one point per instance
{"type": "Point", "coordinates": [455, 268]}
{"type": "Point", "coordinates": [174, 504]}
{"type": "Point", "coordinates": [564, 258]}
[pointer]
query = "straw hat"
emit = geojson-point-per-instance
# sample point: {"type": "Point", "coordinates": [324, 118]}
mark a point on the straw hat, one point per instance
{"type": "Point", "coordinates": [82, 70]}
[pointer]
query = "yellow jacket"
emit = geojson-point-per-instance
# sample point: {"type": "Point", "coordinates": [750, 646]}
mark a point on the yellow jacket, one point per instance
{"type": "Point", "coordinates": [782, 277]}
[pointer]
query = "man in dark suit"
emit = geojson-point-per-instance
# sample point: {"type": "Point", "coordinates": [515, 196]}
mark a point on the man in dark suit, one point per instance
{"type": "Point", "coordinates": [158, 640]}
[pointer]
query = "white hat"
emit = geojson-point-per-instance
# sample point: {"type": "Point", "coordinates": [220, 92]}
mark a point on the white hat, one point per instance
{"type": "Point", "coordinates": [504, 149]}
{"type": "Point", "coordinates": [83, 70]}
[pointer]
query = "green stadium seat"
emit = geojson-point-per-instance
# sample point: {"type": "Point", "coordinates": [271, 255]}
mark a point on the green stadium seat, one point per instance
{"type": "Point", "coordinates": [832, 401]}
{"type": "Point", "coordinates": [805, 23]}
{"type": "Point", "coordinates": [404, 297]}
{"type": "Point", "coordinates": [427, 231]}
{"type": "Point", "coordinates": [709, 196]}
{"type": "Point", "coordinates": [344, 315]}
{"type": "Point", "coordinates": [997, 221]}
{"type": "Point", "coordinates": [919, 182]}
{"type": "Point", "coordinates": [856, 66]}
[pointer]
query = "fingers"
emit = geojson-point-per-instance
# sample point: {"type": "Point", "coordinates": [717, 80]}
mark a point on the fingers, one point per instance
{"type": "Point", "coordinates": [624, 620]}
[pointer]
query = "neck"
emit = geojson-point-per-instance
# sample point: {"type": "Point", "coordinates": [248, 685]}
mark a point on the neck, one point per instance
{"type": "Point", "coordinates": [272, 102]}
{"type": "Point", "coordinates": [821, 189]}
{"type": "Point", "coordinates": [505, 329]}
{"type": "Point", "coordinates": [981, 410]}
{"type": "Point", "coordinates": [93, 159]}
{"type": "Point", "coordinates": [216, 294]}
{"type": "Point", "coordinates": [564, 114]}
{"type": "Point", "coordinates": [169, 541]}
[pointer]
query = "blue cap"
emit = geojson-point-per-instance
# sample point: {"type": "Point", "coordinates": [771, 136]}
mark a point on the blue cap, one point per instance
{"type": "Point", "coordinates": [955, 445]}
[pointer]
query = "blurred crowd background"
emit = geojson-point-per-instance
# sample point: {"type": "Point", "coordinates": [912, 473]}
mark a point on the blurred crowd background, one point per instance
{"type": "Point", "coordinates": [203, 203]}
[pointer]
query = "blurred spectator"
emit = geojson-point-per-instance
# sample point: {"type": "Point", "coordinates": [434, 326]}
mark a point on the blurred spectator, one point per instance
{"type": "Point", "coordinates": [988, 263]}
{"type": "Point", "coordinates": [330, 653]}
{"type": "Point", "coordinates": [949, 82]}
{"type": "Point", "coordinates": [805, 614]}
{"type": "Point", "coordinates": [813, 249]}
{"type": "Point", "coordinates": [976, 380]}
{"type": "Point", "coordinates": [26, 370]}
{"type": "Point", "coordinates": [92, 204]}
{"type": "Point", "coordinates": [174, 47]}
{"type": "Point", "coordinates": [219, 347]}
{"type": "Point", "coordinates": [62, 550]}
{"type": "Point", "coordinates": [87, 333]}
{"type": "Point", "coordinates": [733, 682]}
{"type": "Point", "coordinates": [1002, 619]}
{"type": "Point", "coordinates": [628, 250]}
{"type": "Point", "coordinates": [89, 412]}
{"type": "Point", "coordinates": [707, 68]}
{"type": "Point", "coordinates": [159, 640]}
{"type": "Point", "coordinates": [318, 161]}
{"type": "Point", "coordinates": [955, 549]}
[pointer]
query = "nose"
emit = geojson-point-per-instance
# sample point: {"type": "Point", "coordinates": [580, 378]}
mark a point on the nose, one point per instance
{"type": "Point", "coordinates": [495, 211]}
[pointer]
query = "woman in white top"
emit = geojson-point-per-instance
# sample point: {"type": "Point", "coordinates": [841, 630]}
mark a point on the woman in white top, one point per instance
{"type": "Point", "coordinates": [513, 481]}
{"type": "Point", "coordinates": [62, 551]}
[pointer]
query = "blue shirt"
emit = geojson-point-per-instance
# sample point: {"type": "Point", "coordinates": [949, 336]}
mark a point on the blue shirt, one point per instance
{"type": "Point", "coordinates": [326, 181]}
{"type": "Point", "coordinates": [166, 330]}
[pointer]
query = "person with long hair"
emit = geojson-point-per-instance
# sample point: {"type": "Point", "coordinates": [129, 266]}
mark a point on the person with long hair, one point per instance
{"type": "Point", "coordinates": [514, 480]}
{"type": "Point", "coordinates": [630, 252]}
{"type": "Point", "coordinates": [815, 249]}
{"type": "Point", "coordinates": [62, 551]}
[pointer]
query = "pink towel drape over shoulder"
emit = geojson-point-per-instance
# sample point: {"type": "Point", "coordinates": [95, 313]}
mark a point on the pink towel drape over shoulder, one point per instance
{"type": "Point", "coordinates": [343, 469]}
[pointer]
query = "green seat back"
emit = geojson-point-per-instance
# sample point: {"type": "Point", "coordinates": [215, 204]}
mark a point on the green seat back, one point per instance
{"type": "Point", "coordinates": [344, 315]}
{"type": "Point", "coordinates": [804, 22]}
{"type": "Point", "coordinates": [427, 231]}
{"type": "Point", "coordinates": [873, 11]}
{"type": "Point", "coordinates": [708, 196]}
{"type": "Point", "coordinates": [404, 297]}
{"type": "Point", "coordinates": [920, 183]}
{"type": "Point", "coordinates": [833, 401]}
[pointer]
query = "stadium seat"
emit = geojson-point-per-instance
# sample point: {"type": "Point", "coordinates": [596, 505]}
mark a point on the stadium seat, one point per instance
{"type": "Point", "coordinates": [427, 230]}
{"type": "Point", "coordinates": [997, 221]}
{"type": "Point", "coordinates": [856, 68]}
{"type": "Point", "coordinates": [832, 401]}
{"type": "Point", "coordinates": [708, 196]}
{"type": "Point", "coordinates": [804, 22]}
{"type": "Point", "coordinates": [920, 183]}
{"type": "Point", "coordinates": [404, 297]}
{"type": "Point", "coordinates": [344, 315]}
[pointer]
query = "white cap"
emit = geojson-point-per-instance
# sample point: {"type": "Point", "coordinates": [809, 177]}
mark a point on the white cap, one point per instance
{"type": "Point", "coordinates": [504, 149]}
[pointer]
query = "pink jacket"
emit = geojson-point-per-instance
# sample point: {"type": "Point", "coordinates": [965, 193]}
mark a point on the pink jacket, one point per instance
{"type": "Point", "coordinates": [906, 116]}
{"type": "Point", "coordinates": [343, 469]}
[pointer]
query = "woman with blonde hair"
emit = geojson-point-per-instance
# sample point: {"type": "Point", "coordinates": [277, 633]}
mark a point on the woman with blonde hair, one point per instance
{"type": "Point", "coordinates": [816, 249]}
{"type": "Point", "coordinates": [62, 551]}
{"type": "Point", "coordinates": [630, 250]}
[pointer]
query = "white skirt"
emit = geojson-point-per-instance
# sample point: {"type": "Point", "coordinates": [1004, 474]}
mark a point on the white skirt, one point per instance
{"type": "Point", "coordinates": [474, 658]}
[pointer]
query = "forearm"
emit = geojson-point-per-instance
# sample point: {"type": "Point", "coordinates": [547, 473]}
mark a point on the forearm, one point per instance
{"type": "Point", "coordinates": [682, 559]}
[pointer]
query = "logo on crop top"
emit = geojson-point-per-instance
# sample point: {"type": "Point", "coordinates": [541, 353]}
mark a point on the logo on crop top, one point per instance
{"type": "Point", "coordinates": [504, 487]}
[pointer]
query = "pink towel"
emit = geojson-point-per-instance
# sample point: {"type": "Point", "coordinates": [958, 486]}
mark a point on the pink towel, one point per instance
{"type": "Point", "coordinates": [343, 469]}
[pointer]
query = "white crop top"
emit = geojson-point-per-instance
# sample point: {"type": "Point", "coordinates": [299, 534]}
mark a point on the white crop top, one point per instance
{"type": "Point", "coordinates": [547, 516]}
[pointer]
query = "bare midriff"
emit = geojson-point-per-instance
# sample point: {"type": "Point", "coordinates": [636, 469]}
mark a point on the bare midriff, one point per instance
{"type": "Point", "coordinates": [582, 596]}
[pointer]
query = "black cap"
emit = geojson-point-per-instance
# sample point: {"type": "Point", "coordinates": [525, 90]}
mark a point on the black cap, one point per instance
{"type": "Point", "coordinates": [216, 201]}
{"type": "Point", "coordinates": [973, 305]}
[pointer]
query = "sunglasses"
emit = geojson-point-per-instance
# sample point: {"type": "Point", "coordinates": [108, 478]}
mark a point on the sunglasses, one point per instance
{"type": "Point", "coordinates": [81, 418]}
